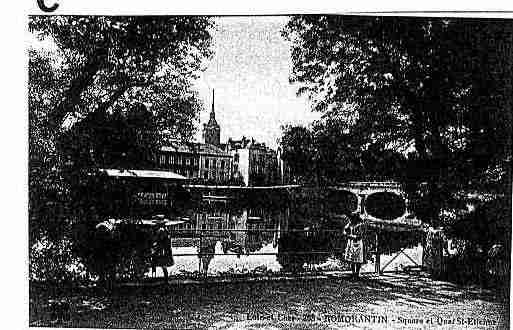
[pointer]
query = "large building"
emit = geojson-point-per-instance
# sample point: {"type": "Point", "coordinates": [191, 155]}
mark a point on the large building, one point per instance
{"type": "Point", "coordinates": [237, 162]}
{"type": "Point", "coordinates": [253, 162]}
{"type": "Point", "coordinates": [204, 163]}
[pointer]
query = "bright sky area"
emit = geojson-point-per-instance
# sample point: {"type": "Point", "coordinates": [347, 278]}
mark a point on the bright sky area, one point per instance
{"type": "Point", "coordinates": [250, 74]}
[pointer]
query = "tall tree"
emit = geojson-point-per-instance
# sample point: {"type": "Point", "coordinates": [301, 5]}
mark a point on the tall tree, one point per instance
{"type": "Point", "coordinates": [297, 151]}
{"type": "Point", "coordinates": [325, 154]}
{"type": "Point", "coordinates": [106, 57]}
{"type": "Point", "coordinates": [441, 88]}
{"type": "Point", "coordinates": [88, 67]}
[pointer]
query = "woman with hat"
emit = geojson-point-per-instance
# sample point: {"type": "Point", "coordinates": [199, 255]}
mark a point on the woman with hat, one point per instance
{"type": "Point", "coordinates": [162, 254]}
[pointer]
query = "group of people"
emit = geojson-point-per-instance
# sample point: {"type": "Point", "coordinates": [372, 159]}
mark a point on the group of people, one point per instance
{"type": "Point", "coordinates": [162, 254]}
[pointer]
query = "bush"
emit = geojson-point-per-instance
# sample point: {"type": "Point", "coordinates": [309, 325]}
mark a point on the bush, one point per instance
{"type": "Point", "coordinates": [55, 262]}
{"type": "Point", "coordinates": [486, 229]}
{"type": "Point", "coordinates": [488, 224]}
{"type": "Point", "coordinates": [121, 251]}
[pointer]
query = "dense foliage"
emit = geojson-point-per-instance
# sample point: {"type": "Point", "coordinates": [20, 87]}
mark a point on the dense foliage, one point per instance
{"type": "Point", "coordinates": [325, 154]}
{"type": "Point", "coordinates": [437, 90]}
{"type": "Point", "coordinates": [104, 91]}
{"type": "Point", "coordinates": [486, 225]}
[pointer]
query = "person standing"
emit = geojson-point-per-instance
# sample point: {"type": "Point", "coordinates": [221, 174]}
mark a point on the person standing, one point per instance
{"type": "Point", "coordinates": [354, 252]}
{"type": "Point", "coordinates": [162, 254]}
{"type": "Point", "coordinates": [206, 253]}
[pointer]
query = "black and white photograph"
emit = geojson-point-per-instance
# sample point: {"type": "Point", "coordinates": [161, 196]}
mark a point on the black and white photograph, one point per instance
{"type": "Point", "coordinates": [313, 171]}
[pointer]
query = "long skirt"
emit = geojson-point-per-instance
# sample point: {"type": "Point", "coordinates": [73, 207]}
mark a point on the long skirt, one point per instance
{"type": "Point", "coordinates": [163, 260]}
{"type": "Point", "coordinates": [354, 251]}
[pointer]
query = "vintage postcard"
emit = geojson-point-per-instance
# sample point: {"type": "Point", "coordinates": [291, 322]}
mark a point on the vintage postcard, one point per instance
{"type": "Point", "coordinates": [288, 171]}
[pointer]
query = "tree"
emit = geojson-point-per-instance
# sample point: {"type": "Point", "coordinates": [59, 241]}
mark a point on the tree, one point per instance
{"type": "Point", "coordinates": [489, 223]}
{"type": "Point", "coordinates": [106, 57]}
{"type": "Point", "coordinates": [297, 151]}
{"type": "Point", "coordinates": [337, 157]}
{"type": "Point", "coordinates": [111, 140]}
{"type": "Point", "coordinates": [132, 74]}
{"type": "Point", "coordinates": [325, 154]}
{"type": "Point", "coordinates": [440, 88]}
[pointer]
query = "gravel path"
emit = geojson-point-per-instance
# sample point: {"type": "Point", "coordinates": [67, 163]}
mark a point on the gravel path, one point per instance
{"type": "Point", "coordinates": [387, 302]}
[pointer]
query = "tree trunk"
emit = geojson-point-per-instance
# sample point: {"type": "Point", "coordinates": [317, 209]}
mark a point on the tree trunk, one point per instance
{"type": "Point", "coordinates": [77, 86]}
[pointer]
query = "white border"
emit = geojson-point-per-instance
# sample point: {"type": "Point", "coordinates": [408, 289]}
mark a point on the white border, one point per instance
{"type": "Point", "coordinates": [495, 8]}
{"type": "Point", "coordinates": [14, 131]}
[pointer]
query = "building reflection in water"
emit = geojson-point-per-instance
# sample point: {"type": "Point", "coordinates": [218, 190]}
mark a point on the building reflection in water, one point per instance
{"type": "Point", "coordinates": [222, 237]}
{"type": "Point", "coordinates": [226, 235]}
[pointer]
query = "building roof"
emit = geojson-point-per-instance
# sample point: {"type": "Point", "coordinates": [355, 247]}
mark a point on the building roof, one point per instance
{"type": "Point", "coordinates": [211, 149]}
{"type": "Point", "coordinates": [212, 122]}
{"type": "Point", "coordinates": [246, 143]}
{"type": "Point", "coordinates": [144, 174]}
{"type": "Point", "coordinates": [199, 148]}
{"type": "Point", "coordinates": [178, 147]}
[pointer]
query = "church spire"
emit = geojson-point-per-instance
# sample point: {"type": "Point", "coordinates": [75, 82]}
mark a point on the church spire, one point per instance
{"type": "Point", "coordinates": [213, 100]}
{"type": "Point", "coordinates": [211, 130]}
{"type": "Point", "coordinates": [212, 121]}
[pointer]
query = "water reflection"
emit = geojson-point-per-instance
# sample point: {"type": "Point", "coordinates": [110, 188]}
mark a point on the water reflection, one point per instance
{"type": "Point", "coordinates": [267, 233]}
{"type": "Point", "coordinates": [218, 237]}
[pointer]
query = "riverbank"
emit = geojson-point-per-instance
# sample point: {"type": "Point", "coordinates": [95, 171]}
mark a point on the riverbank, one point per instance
{"type": "Point", "coordinates": [328, 302]}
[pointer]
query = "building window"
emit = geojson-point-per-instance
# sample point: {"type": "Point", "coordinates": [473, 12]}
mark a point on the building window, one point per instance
{"type": "Point", "coordinates": [214, 163]}
{"type": "Point", "coordinates": [206, 163]}
{"type": "Point", "coordinates": [188, 161]}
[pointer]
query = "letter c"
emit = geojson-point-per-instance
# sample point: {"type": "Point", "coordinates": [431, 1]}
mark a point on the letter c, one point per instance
{"type": "Point", "coordinates": [43, 7]}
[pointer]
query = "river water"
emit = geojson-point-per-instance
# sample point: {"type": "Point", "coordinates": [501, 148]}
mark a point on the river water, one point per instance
{"type": "Point", "coordinates": [263, 233]}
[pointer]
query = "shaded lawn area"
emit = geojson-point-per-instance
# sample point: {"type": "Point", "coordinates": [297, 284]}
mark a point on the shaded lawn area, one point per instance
{"type": "Point", "coordinates": [301, 304]}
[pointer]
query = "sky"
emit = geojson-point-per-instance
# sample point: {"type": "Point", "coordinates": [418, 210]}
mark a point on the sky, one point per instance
{"type": "Point", "coordinates": [250, 74]}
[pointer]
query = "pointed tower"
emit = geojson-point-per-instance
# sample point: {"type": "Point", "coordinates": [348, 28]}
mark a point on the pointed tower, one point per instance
{"type": "Point", "coordinates": [211, 130]}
